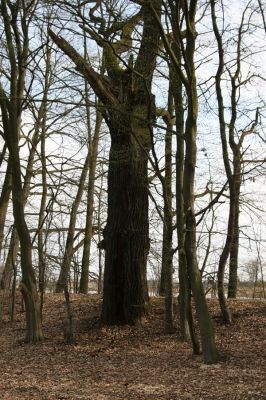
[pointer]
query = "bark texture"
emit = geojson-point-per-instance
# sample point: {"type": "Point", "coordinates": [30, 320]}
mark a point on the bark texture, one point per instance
{"type": "Point", "coordinates": [129, 105]}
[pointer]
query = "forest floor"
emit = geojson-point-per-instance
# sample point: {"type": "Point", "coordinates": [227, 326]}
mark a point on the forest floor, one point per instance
{"type": "Point", "coordinates": [131, 362]}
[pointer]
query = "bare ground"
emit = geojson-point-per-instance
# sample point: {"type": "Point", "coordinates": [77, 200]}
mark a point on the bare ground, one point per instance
{"type": "Point", "coordinates": [131, 362]}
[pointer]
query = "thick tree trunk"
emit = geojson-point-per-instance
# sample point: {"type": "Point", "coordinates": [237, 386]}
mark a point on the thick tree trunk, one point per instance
{"type": "Point", "coordinates": [129, 112]}
{"type": "Point", "coordinates": [126, 236]}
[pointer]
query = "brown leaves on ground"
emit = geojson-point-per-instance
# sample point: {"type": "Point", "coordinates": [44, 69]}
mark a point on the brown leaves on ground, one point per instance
{"type": "Point", "coordinates": [131, 362]}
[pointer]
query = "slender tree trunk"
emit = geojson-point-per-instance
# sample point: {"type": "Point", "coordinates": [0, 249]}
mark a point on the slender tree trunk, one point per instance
{"type": "Point", "coordinates": [3, 154]}
{"type": "Point", "coordinates": [41, 241]}
{"type": "Point", "coordinates": [205, 323]}
{"type": "Point", "coordinates": [234, 178]}
{"type": "Point", "coordinates": [222, 264]}
{"type": "Point", "coordinates": [63, 281]}
{"type": "Point", "coordinates": [206, 328]}
{"type": "Point", "coordinates": [28, 282]}
{"type": "Point", "coordinates": [232, 239]}
{"type": "Point", "coordinates": [162, 283]}
{"type": "Point", "coordinates": [14, 242]}
{"type": "Point", "coordinates": [65, 268]}
{"type": "Point", "coordinates": [167, 254]}
{"type": "Point", "coordinates": [18, 51]}
{"type": "Point", "coordinates": [14, 286]}
{"type": "Point", "coordinates": [178, 78]}
{"type": "Point", "coordinates": [100, 276]}
{"type": "Point", "coordinates": [10, 260]}
{"type": "Point", "coordinates": [185, 314]}
{"type": "Point", "coordinates": [100, 263]}
{"type": "Point", "coordinates": [168, 260]}
{"type": "Point", "coordinates": [233, 263]}
{"type": "Point", "coordinates": [234, 250]}
{"type": "Point", "coordinates": [93, 150]}
{"type": "Point", "coordinates": [4, 200]}
{"type": "Point", "coordinates": [230, 227]}
{"type": "Point", "coordinates": [43, 122]}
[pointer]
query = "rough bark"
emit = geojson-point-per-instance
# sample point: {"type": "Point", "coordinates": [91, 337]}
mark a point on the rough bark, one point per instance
{"type": "Point", "coordinates": [126, 234]}
{"type": "Point", "coordinates": [129, 106]}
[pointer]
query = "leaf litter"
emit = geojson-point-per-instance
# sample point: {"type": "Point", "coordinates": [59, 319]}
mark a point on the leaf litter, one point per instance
{"type": "Point", "coordinates": [125, 362]}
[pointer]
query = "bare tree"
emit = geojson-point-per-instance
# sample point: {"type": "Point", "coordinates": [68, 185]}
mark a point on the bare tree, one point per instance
{"type": "Point", "coordinates": [128, 112]}
{"type": "Point", "coordinates": [188, 77]}
{"type": "Point", "coordinates": [17, 39]}
{"type": "Point", "coordinates": [234, 171]}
